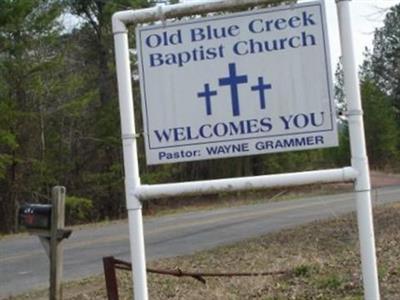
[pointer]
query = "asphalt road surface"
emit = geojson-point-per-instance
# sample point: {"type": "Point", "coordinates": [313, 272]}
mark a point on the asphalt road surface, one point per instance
{"type": "Point", "coordinates": [24, 264]}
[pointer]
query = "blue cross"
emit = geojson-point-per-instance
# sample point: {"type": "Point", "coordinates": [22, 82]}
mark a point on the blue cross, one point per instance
{"type": "Point", "coordinates": [261, 87]}
{"type": "Point", "coordinates": [233, 81]}
{"type": "Point", "coordinates": [207, 94]}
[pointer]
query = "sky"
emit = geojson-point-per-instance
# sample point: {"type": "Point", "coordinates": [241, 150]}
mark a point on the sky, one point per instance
{"type": "Point", "coordinates": [366, 16]}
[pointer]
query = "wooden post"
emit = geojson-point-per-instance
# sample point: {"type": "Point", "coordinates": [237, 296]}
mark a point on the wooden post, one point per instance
{"type": "Point", "coordinates": [56, 243]}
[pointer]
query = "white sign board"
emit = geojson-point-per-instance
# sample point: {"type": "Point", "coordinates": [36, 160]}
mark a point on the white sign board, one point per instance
{"type": "Point", "coordinates": [238, 84]}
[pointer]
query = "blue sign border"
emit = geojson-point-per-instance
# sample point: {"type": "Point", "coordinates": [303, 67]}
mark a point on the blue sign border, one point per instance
{"type": "Point", "coordinates": [140, 30]}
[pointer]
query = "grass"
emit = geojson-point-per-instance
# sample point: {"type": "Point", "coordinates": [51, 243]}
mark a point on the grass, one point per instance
{"type": "Point", "coordinates": [322, 260]}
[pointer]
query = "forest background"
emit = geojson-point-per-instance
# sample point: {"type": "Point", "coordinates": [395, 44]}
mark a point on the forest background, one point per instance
{"type": "Point", "coordinates": [59, 114]}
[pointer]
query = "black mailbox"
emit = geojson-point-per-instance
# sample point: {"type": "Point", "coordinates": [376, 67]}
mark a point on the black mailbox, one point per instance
{"type": "Point", "coordinates": [35, 216]}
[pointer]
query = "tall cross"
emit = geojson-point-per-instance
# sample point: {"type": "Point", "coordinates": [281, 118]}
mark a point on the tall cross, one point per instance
{"type": "Point", "coordinates": [207, 94]}
{"type": "Point", "coordinates": [261, 87]}
{"type": "Point", "coordinates": [233, 81]}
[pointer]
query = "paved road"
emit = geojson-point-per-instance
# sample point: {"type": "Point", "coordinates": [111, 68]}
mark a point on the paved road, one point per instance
{"type": "Point", "coordinates": [24, 264]}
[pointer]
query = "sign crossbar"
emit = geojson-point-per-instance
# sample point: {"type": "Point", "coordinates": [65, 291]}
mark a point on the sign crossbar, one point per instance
{"type": "Point", "coordinates": [204, 187]}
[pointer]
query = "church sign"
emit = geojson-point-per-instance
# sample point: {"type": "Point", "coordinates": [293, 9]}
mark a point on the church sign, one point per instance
{"type": "Point", "coordinates": [248, 83]}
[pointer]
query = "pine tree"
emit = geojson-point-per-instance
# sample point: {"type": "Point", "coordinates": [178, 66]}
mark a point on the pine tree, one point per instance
{"type": "Point", "coordinates": [381, 130]}
{"type": "Point", "coordinates": [28, 31]}
{"type": "Point", "coordinates": [385, 58]}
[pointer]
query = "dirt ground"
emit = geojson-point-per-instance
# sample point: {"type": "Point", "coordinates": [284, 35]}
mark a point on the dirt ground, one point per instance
{"type": "Point", "coordinates": [380, 179]}
{"type": "Point", "coordinates": [322, 261]}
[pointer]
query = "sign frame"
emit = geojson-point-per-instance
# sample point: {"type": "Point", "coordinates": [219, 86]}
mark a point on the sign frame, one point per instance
{"type": "Point", "coordinates": [136, 192]}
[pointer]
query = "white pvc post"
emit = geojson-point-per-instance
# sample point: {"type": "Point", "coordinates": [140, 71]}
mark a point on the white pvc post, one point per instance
{"type": "Point", "coordinates": [131, 166]}
{"type": "Point", "coordinates": [359, 159]}
{"type": "Point", "coordinates": [139, 270]}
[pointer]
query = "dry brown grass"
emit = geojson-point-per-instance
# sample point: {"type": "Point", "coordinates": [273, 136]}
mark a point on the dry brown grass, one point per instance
{"type": "Point", "coordinates": [322, 257]}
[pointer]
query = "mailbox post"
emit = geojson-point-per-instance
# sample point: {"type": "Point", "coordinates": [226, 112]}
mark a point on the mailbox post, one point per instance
{"type": "Point", "coordinates": [56, 244]}
{"type": "Point", "coordinates": [47, 221]}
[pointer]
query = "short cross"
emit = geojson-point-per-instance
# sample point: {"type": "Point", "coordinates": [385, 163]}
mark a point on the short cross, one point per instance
{"type": "Point", "coordinates": [261, 87]}
{"type": "Point", "coordinates": [207, 94]}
